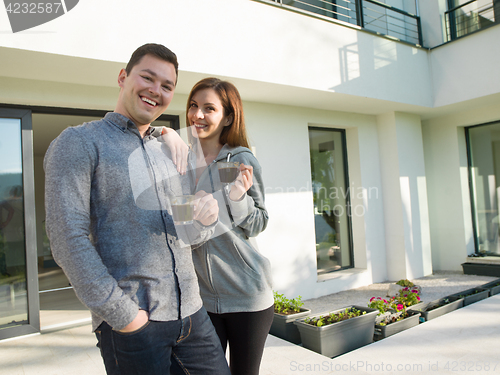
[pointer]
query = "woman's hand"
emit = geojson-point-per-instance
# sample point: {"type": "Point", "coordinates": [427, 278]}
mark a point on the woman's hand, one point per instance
{"type": "Point", "coordinates": [139, 321]}
{"type": "Point", "coordinates": [178, 148]}
{"type": "Point", "coordinates": [243, 182]}
{"type": "Point", "coordinates": [206, 208]}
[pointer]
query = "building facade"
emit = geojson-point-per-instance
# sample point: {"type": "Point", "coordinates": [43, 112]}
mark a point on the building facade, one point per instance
{"type": "Point", "coordinates": [378, 141]}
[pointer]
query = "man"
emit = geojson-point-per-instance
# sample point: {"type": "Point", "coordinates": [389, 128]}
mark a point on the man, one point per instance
{"type": "Point", "coordinates": [108, 185]}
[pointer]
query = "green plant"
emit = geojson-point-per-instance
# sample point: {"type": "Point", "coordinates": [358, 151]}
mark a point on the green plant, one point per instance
{"type": "Point", "coordinates": [408, 297]}
{"type": "Point", "coordinates": [471, 293]}
{"type": "Point", "coordinates": [394, 318]}
{"type": "Point", "coordinates": [334, 317]}
{"type": "Point", "coordinates": [283, 305]}
{"type": "Point", "coordinates": [405, 298]}
{"type": "Point", "coordinates": [405, 283]}
{"type": "Point", "coordinates": [382, 305]}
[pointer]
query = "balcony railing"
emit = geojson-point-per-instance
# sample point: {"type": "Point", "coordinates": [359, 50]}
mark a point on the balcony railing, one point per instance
{"type": "Point", "coordinates": [372, 15]}
{"type": "Point", "coordinates": [471, 16]}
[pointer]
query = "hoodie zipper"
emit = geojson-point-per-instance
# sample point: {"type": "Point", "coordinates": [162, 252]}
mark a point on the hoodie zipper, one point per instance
{"type": "Point", "coordinates": [205, 248]}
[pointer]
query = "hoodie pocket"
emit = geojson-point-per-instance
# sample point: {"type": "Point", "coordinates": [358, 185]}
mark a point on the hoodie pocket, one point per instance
{"type": "Point", "coordinates": [249, 273]}
{"type": "Point", "coordinates": [252, 265]}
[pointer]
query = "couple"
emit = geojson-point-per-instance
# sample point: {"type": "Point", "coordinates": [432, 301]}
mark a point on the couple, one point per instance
{"type": "Point", "coordinates": [139, 276]}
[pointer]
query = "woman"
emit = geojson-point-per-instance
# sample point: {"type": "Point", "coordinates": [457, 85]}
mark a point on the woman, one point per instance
{"type": "Point", "coordinates": [234, 279]}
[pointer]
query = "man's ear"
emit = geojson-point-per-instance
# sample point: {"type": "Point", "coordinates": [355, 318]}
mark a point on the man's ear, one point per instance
{"type": "Point", "coordinates": [229, 120]}
{"type": "Point", "coordinates": [121, 77]}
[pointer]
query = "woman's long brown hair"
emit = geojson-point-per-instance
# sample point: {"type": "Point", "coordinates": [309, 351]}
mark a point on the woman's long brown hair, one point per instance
{"type": "Point", "coordinates": [234, 134]}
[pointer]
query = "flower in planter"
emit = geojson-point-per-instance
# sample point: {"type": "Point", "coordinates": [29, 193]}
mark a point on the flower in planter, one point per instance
{"type": "Point", "coordinates": [395, 288]}
{"type": "Point", "coordinates": [285, 306]}
{"type": "Point", "coordinates": [408, 297]}
{"type": "Point", "coordinates": [395, 317]}
{"type": "Point", "coordinates": [381, 304]}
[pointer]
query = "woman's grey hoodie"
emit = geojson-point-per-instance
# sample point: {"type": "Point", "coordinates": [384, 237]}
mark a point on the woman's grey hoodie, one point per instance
{"type": "Point", "coordinates": [232, 274]}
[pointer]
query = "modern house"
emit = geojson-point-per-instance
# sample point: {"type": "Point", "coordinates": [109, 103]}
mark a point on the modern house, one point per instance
{"type": "Point", "coordinates": [376, 123]}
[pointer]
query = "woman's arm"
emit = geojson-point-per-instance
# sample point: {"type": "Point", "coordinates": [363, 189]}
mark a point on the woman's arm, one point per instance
{"type": "Point", "coordinates": [249, 212]}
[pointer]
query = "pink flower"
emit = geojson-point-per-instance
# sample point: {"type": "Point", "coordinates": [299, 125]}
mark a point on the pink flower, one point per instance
{"type": "Point", "coordinates": [385, 301]}
{"type": "Point", "coordinates": [405, 289]}
{"type": "Point", "coordinates": [400, 306]}
{"type": "Point", "coordinates": [418, 298]}
{"type": "Point", "coordinates": [406, 295]}
{"type": "Point", "coordinates": [414, 291]}
{"type": "Point", "coordinates": [371, 299]}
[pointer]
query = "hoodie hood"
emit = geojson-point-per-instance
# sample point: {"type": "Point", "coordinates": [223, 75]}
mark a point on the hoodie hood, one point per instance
{"type": "Point", "coordinates": [226, 149]}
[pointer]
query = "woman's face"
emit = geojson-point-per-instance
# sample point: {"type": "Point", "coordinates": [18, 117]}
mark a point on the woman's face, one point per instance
{"type": "Point", "coordinates": [206, 115]}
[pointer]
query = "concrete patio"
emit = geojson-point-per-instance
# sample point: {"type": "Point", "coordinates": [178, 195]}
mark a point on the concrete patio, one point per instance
{"type": "Point", "coordinates": [462, 342]}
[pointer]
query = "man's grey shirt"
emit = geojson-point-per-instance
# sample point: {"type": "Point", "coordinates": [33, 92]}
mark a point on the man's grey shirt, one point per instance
{"type": "Point", "coordinates": [108, 218]}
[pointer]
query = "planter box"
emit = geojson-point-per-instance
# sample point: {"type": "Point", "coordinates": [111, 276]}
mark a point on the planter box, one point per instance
{"type": "Point", "coordinates": [341, 337]}
{"type": "Point", "coordinates": [390, 329]}
{"type": "Point", "coordinates": [426, 314]}
{"type": "Point", "coordinates": [482, 269]}
{"type": "Point", "coordinates": [472, 295]}
{"type": "Point", "coordinates": [284, 328]}
{"type": "Point", "coordinates": [416, 307]}
{"type": "Point", "coordinates": [493, 287]}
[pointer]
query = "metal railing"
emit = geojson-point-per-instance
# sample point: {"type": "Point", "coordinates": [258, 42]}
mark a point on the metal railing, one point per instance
{"type": "Point", "coordinates": [372, 15]}
{"type": "Point", "coordinates": [470, 17]}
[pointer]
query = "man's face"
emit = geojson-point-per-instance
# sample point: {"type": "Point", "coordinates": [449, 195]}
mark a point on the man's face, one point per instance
{"type": "Point", "coordinates": [147, 91]}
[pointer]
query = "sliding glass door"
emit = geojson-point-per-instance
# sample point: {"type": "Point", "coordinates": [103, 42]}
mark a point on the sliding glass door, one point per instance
{"type": "Point", "coordinates": [18, 283]}
{"type": "Point", "coordinates": [484, 174]}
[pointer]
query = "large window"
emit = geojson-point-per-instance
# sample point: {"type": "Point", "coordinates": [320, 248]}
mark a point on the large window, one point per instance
{"type": "Point", "coordinates": [484, 171]}
{"type": "Point", "coordinates": [330, 187]}
{"type": "Point", "coordinates": [13, 296]}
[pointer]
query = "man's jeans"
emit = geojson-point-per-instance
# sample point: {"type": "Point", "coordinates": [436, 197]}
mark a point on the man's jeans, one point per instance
{"type": "Point", "coordinates": [191, 345]}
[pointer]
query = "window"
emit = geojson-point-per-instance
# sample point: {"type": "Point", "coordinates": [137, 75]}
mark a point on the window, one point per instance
{"type": "Point", "coordinates": [18, 284]}
{"type": "Point", "coordinates": [483, 143]}
{"type": "Point", "coordinates": [467, 16]}
{"type": "Point", "coordinates": [331, 199]}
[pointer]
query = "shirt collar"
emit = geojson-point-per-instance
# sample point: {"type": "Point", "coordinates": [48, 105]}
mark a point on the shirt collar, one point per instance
{"type": "Point", "coordinates": [123, 122]}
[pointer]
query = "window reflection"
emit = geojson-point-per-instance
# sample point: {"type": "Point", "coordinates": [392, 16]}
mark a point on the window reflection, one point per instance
{"type": "Point", "coordinates": [13, 296]}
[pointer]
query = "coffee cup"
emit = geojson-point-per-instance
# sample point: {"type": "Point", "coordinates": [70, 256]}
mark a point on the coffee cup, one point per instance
{"type": "Point", "coordinates": [183, 209]}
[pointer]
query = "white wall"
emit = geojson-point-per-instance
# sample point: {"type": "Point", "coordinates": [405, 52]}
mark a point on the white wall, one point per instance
{"type": "Point", "coordinates": [240, 39]}
{"type": "Point", "coordinates": [448, 187]}
{"type": "Point", "coordinates": [405, 196]}
{"type": "Point", "coordinates": [466, 68]}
